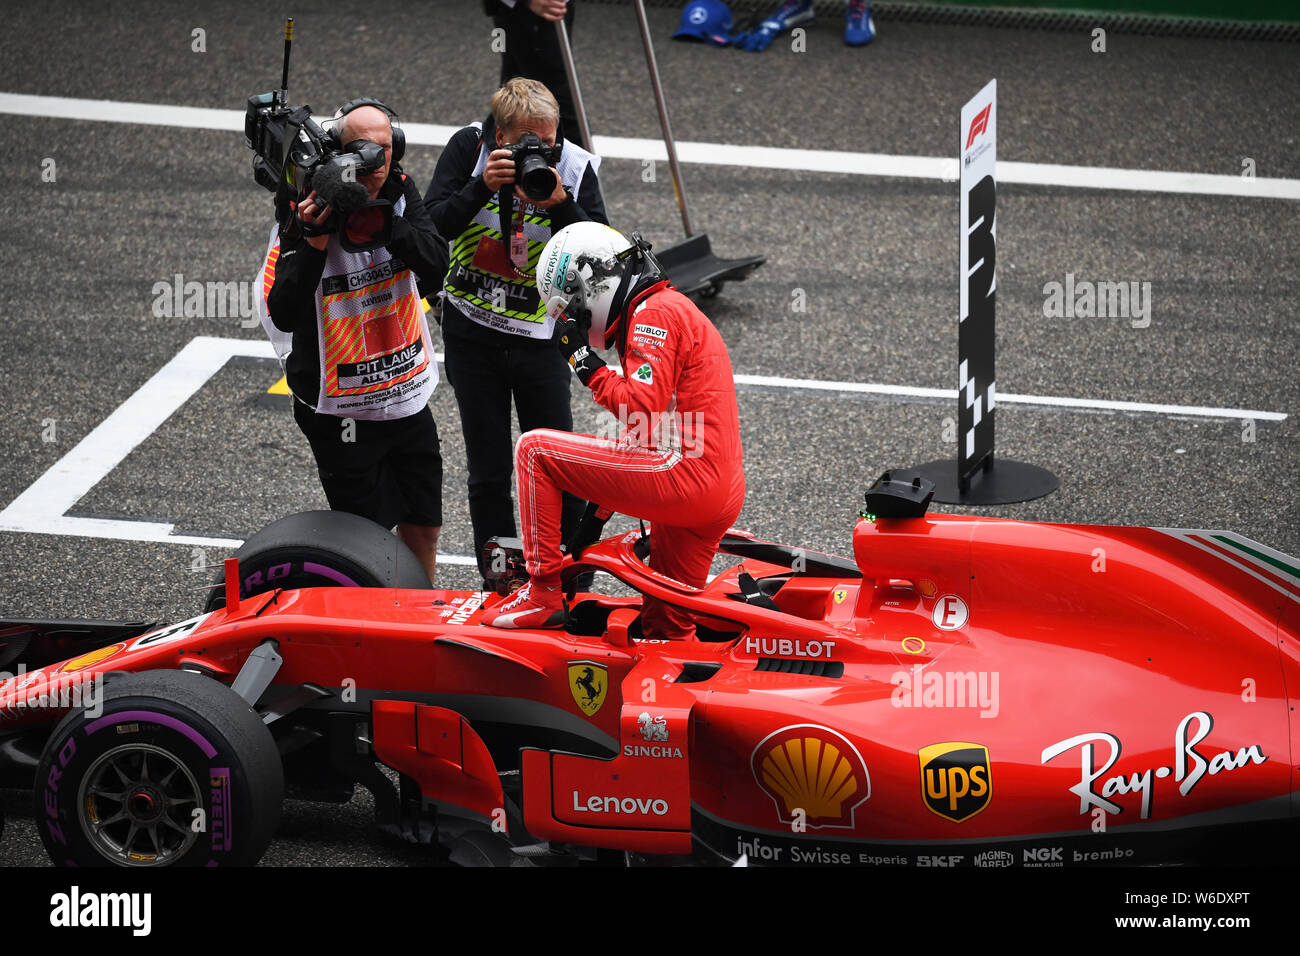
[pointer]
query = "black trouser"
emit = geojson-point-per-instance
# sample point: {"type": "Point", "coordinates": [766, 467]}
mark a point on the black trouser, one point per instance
{"type": "Point", "coordinates": [387, 471]}
{"type": "Point", "coordinates": [485, 378]}
{"type": "Point", "coordinates": [533, 51]}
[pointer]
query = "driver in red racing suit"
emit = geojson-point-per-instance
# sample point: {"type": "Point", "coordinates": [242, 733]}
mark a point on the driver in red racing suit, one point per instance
{"type": "Point", "coordinates": [678, 463]}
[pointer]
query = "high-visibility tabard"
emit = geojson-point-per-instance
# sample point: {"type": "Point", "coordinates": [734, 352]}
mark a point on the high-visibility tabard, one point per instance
{"type": "Point", "coordinates": [491, 278]}
{"type": "Point", "coordinates": [376, 356]}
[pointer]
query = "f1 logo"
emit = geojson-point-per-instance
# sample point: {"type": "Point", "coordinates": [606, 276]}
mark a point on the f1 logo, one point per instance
{"type": "Point", "coordinates": [978, 125]}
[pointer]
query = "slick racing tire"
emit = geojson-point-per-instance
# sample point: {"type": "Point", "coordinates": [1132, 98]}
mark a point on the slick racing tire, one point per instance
{"type": "Point", "coordinates": [168, 768]}
{"type": "Point", "coordinates": [322, 549]}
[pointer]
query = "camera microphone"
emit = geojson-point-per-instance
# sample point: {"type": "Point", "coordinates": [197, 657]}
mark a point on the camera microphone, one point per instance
{"type": "Point", "coordinates": [340, 194]}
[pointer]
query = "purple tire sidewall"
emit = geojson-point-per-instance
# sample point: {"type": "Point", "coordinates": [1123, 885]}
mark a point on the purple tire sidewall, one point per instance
{"type": "Point", "coordinates": [186, 730]}
{"type": "Point", "coordinates": [338, 577]}
{"type": "Point", "coordinates": [51, 823]}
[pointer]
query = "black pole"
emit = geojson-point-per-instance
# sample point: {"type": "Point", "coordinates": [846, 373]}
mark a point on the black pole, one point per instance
{"type": "Point", "coordinates": [288, 45]}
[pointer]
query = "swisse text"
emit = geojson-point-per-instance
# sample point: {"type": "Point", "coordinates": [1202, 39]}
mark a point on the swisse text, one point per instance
{"type": "Point", "coordinates": [785, 647]}
{"type": "Point", "coordinates": [643, 806]}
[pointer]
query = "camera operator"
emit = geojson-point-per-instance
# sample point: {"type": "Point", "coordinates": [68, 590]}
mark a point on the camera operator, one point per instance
{"type": "Point", "coordinates": [495, 329]}
{"type": "Point", "coordinates": [361, 365]}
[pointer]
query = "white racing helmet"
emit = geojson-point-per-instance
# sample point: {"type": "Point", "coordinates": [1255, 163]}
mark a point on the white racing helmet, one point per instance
{"type": "Point", "coordinates": [590, 272]}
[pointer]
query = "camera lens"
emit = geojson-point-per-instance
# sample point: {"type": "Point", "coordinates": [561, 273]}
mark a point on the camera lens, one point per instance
{"type": "Point", "coordinates": [535, 177]}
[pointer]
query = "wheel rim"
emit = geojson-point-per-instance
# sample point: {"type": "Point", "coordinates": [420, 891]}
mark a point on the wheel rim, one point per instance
{"type": "Point", "coordinates": [136, 805]}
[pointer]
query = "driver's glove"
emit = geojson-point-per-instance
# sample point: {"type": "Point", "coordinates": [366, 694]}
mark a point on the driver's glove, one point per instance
{"type": "Point", "coordinates": [571, 340]}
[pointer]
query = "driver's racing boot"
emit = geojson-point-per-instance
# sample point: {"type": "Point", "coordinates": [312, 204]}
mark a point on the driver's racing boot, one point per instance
{"type": "Point", "coordinates": [530, 606]}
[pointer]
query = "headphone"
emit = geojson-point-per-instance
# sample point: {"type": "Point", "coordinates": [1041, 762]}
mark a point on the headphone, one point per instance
{"type": "Point", "coordinates": [399, 137]}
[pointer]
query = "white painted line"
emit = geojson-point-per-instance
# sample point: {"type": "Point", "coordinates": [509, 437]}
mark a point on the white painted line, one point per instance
{"type": "Point", "coordinates": [111, 111]}
{"type": "Point", "coordinates": [1009, 398]}
{"type": "Point", "coordinates": [42, 508]}
{"type": "Point", "coordinates": [1146, 180]}
{"type": "Point", "coordinates": [1195, 411]}
{"type": "Point", "coordinates": [110, 529]}
{"type": "Point", "coordinates": [906, 391]}
{"type": "Point", "coordinates": [70, 478]}
{"type": "Point", "coordinates": [715, 154]}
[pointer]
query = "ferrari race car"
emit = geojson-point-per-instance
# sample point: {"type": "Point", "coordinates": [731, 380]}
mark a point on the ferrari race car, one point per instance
{"type": "Point", "coordinates": [964, 692]}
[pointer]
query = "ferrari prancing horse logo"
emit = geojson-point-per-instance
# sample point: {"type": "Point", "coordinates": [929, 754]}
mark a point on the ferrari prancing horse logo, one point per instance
{"type": "Point", "coordinates": [588, 682]}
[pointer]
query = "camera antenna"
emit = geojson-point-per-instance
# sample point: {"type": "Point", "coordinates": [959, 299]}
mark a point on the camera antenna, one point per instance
{"type": "Point", "coordinates": [288, 46]}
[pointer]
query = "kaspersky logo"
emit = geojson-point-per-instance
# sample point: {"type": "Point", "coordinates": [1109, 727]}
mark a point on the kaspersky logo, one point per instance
{"type": "Point", "coordinates": [956, 782]}
{"type": "Point", "coordinates": [551, 273]}
{"type": "Point", "coordinates": [813, 775]}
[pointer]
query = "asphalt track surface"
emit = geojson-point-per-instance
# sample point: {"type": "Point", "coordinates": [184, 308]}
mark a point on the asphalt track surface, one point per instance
{"type": "Point", "coordinates": [875, 259]}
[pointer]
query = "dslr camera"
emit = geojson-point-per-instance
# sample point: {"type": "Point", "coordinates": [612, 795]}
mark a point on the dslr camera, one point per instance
{"type": "Point", "coordinates": [533, 163]}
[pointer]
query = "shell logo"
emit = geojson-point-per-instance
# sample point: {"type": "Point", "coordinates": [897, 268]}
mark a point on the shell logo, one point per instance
{"type": "Point", "coordinates": [813, 775]}
{"type": "Point", "coordinates": [90, 659]}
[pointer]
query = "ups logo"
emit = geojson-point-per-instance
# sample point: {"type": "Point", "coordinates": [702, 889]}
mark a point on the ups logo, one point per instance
{"type": "Point", "coordinates": [956, 782]}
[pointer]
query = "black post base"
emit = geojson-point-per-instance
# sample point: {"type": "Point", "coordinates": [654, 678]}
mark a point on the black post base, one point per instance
{"type": "Point", "coordinates": [695, 270]}
{"type": "Point", "coordinates": [1000, 482]}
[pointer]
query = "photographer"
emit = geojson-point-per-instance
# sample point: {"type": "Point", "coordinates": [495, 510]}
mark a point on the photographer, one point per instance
{"type": "Point", "coordinates": [495, 330]}
{"type": "Point", "coordinates": [361, 365]}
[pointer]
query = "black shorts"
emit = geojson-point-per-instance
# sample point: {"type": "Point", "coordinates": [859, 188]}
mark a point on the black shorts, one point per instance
{"type": "Point", "coordinates": [391, 473]}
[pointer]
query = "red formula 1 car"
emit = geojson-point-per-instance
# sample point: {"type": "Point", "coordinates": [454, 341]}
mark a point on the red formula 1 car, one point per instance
{"type": "Point", "coordinates": [963, 692]}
